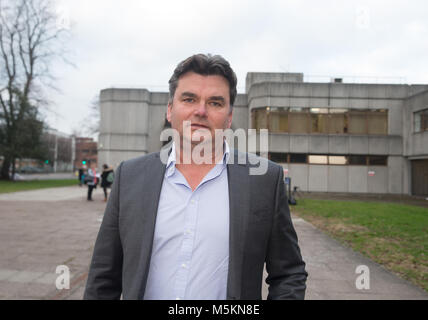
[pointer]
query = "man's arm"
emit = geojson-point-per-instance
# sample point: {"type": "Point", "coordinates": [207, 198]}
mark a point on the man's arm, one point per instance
{"type": "Point", "coordinates": [105, 273]}
{"type": "Point", "coordinates": [284, 264]}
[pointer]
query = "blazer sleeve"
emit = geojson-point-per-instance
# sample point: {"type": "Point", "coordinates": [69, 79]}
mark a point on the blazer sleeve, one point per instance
{"type": "Point", "coordinates": [284, 263]}
{"type": "Point", "coordinates": [105, 272]}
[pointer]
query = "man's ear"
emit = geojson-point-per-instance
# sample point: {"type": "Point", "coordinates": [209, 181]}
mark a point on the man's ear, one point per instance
{"type": "Point", "coordinates": [168, 112]}
{"type": "Point", "coordinates": [229, 120]}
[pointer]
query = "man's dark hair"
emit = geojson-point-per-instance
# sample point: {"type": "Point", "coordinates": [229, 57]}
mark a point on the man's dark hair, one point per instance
{"type": "Point", "coordinates": [206, 65]}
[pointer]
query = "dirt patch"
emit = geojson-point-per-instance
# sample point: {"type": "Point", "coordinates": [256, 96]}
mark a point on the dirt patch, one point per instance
{"type": "Point", "coordinates": [335, 225]}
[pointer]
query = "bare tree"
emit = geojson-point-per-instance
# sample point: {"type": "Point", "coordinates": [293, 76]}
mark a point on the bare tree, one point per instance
{"type": "Point", "coordinates": [90, 125]}
{"type": "Point", "coordinates": [29, 41]}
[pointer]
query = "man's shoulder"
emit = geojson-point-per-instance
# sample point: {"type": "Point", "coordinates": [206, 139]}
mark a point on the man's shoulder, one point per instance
{"type": "Point", "coordinates": [140, 162]}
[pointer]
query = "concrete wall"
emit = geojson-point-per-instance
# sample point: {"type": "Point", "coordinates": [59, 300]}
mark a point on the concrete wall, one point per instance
{"type": "Point", "coordinates": [158, 108]}
{"type": "Point", "coordinates": [335, 144]}
{"type": "Point", "coordinates": [124, 125]}
{"type": "Point", "coordinates": [415, 143]}
{"type": "Point", "coordinates": [330, 178]}
{"type": "Point", "coordinates": [258, 77]}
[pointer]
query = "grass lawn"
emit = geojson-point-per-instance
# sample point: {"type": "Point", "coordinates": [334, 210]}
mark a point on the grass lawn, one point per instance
{"type": "Point", "coordinates": [393, 235]}
{"type": "Point", "coordinates": [9, 186]}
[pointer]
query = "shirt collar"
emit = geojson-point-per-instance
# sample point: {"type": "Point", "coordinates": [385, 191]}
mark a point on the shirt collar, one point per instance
{"type": "Point", "coordinates": [170, 165]}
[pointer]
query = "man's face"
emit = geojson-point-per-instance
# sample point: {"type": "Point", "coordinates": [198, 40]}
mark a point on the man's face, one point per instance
{"type": "Point", "coordinates": [204, 103]}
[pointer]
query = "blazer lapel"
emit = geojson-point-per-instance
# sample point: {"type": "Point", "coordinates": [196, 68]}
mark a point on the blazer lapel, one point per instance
{"type": "Point", "coordinates": [238, 213]}
{"type": "Point", "coordinates": [148, 206]}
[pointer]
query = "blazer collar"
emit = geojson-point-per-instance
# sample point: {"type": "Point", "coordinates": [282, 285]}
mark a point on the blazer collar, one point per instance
{"type": "Point", "coordinates": [239, 205]}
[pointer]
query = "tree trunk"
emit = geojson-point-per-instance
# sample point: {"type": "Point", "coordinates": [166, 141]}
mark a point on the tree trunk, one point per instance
{"type": "Point", "coordinates": [13, 169]}
{"type": "Point", "coordinates": [4, 175]}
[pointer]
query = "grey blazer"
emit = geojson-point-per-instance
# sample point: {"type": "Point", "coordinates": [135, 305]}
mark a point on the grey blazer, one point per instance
{"type": "Point", "coordinates": [260, 232]}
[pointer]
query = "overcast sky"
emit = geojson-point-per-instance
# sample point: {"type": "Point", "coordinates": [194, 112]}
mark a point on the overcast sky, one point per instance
{"type": "Point", "coordinates": [138, 43]}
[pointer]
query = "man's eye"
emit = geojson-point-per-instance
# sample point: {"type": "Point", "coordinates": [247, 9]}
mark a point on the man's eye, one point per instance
{"type": "Point", "coordinates": [215, 104]}
{"type": "Point", "coordinates": [189, 100]}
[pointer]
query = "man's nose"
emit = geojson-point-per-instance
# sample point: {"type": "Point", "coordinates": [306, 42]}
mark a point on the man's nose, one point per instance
{"type": "Point", "coordinates": [201, 109]}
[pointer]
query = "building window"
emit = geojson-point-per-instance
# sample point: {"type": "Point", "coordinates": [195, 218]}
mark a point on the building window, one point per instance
{"type": "Point", "coordinates": [278, 119]}
{"type": "Point", "coordinates": [338, 123]}
{"type": "Point", "coordinates": [352, 160]}
{"type": "Point", "coordinates": [377, 121]}
{"type": "Point", "coordinates": [259, 118]}
{"type": "Point", "coordinates": [417, 121]}
{"type": "Point", "coordinates": [319, 120]}
{"type": "Point", "coordinates": [317, 159]}
{"type": "Point", "coordinates": [337, 160]}
{"type": "Point", "coordinates": [298, 120]}
{"type": "Point", "coordinates": [378, 160]}
{"type": "Point", "coordinates": [357, 122]}
{"type": "Point", "coordinates": [326, 120]}
{"type": "Point", "coordinates": [298, 158]}
{"type": "Point", "coordinates": [278, 157]}
{"type": "Point", "coordinates": [420, 121]}
{"type": "Point", "coordinates": [357, 160]}
{"type": "Point", "coordinates": [425, 120]}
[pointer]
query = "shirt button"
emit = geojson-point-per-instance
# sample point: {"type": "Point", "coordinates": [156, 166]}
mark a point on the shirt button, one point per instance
{"type": "Point", "coordinates": [184, 265]}
{"type": "Point", "coordinates": [193, 202]}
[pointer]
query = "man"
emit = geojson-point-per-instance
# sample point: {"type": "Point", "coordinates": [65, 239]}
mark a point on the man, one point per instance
{"type": "Point", "coordinates": [197, 229]}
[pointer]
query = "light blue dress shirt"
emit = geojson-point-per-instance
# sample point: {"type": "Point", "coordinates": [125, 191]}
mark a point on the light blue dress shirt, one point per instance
{"type": "Point", "coordinates": [190, 255]}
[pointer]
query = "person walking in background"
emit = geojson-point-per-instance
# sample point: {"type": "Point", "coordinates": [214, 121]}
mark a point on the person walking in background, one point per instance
{"type": "Point", "coordinates": [92, 180]}
{"type": "Point", "coordinates": [81, 176]}
{"type": "Point", "coordinates": [107, 178]}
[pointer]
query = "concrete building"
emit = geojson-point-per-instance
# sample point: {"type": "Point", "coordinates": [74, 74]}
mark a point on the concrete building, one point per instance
{"type": "Point", "coordinates": [329, 137]}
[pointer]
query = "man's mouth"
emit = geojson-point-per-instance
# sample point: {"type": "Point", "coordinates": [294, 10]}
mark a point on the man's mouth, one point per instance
{"type": "Point", "coordinates": [198, 126]}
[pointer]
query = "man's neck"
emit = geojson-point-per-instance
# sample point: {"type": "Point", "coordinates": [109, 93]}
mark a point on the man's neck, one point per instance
{"type": "Point", "coordinates": [194, 171]}
{"type": "Point", "coordinates": [198, 156]}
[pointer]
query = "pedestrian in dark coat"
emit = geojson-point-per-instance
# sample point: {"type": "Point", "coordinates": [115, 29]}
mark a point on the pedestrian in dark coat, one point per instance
{"type": "Point", "coordinates": [107, 178]}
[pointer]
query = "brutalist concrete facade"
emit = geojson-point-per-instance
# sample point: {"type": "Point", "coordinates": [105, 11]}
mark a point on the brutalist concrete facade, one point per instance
{"type": "Point", "coordinates": [132, 120]}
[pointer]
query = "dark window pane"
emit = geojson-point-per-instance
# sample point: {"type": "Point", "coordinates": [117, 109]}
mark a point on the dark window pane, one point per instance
{"type": "Point", "coordinates": [378, 160]}
{"type": "Point", "coordinates": [278, 157]}
{"type": "Point", "coordinates": [297, 158]}
{"type": "Point", "coordinates": [357, 160]}
{"type": "Point", "coordinates": [425, 120]}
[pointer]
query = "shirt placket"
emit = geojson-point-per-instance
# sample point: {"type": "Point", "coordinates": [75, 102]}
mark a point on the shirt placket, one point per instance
{"type": "Point", "coordinates": [187, 245]}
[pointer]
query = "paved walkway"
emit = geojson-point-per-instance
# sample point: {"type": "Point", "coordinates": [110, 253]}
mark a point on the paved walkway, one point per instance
{"type": "Point", "coordinates": [42, 229]}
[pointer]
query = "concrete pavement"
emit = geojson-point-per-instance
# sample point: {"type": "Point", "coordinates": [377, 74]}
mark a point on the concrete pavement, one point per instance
{"type": "Point", "coordinates": [43, 229]}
